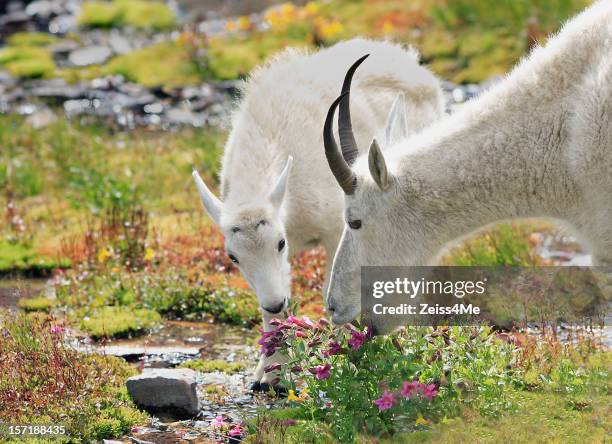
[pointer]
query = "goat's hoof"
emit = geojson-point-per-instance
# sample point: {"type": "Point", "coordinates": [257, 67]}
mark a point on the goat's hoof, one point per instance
{"type": "Point", "coordinates": [265, 387]}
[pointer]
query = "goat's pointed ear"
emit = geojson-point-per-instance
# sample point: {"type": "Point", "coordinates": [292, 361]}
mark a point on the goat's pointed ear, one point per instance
{"type": "Point", "coordinates": [396, 128]}
{"type": "Point", "coordinates": [378, 167]}
{"type": "Point", "coordinates": [212, 205]}
{"type": "Point", "coordinates": [277, 194]}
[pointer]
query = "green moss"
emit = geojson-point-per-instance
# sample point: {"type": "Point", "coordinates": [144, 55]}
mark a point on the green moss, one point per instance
{"type": "Point", "coordinates": [163, 64]}
{"type": "Point", "coordinates": [214, 365]}
{"type": "Point", "coordinates": [32, 39]}
{"type": "Point", "coordinates": [99, 14]}
{"type": "Point", "coordinates": [115, 321]}
{"type": "Point", "coordinates": [39, 303]}
{"type": "Point", "coordinates": [27, 61]}
{"type": "Point", "coordinates": [21, 258]}
{"type": "Point", "coordinates": [146, 14]}
{"type": "Point", "coordinates": [137, 13]}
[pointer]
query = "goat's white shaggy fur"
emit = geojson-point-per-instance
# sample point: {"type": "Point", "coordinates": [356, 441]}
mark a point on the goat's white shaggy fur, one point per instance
{"type": "Point", "coordinates": [279, 118]}
{"type": "Point", "coordinates": [538, 144]}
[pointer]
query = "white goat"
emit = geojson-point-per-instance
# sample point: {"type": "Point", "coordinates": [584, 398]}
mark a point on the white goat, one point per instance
{"type": "Point", "coordinates": [538, 144]}
{"type": "Point", "coordinates": [268, 210]}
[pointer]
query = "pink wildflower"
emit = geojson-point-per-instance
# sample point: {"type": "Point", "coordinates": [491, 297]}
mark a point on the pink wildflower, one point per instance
{"type": "Point", "coordinates": [386, 401]}
{"type": "Point", "coordinates": [218, 422]}
{"type": "Point", "coordinates": [429, 391]}
{"type": "Point", "coordinates": [57, 329]}
{"type": "Point", "coordinates": [357, 339]}
{"type": "Point", "coordinates": [409, 389]}
{"type": "Point", "coordinates": [321, 371]}
{"type": "Point", "coordinates": [236, 431]}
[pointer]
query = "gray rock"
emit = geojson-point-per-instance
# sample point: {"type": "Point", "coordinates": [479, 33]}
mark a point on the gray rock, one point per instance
{"type": "Point", "coordinates": [170, 391]}
{"type": "Point", "coordinates": [44, 9]}
{"type": "Point", "coordinates": [181, 116]}
{"type": "Point", "coordinates": [119, 44]}
{"type": "Point", "coordinates": [90, 55]}
{"type": "Point", "coordinates": [63, 24]}
{"type": "Point", "coordinates": [57, 89]}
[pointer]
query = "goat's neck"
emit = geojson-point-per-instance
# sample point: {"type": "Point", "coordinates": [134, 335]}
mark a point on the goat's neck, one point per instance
{"type": "Point", "coordinates": [501, 157]}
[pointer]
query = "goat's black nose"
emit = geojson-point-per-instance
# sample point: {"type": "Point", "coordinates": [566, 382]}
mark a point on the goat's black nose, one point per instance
{"type": "Point", "coordinates": [331, 308]}
{"type": "Point", "coordinates": [276, 308]}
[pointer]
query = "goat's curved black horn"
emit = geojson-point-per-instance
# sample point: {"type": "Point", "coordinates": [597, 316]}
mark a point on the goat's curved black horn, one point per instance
{"type": "Point", "coordinates": [342, 171]}
{"type": "Point", "coordinates": [345, 127]}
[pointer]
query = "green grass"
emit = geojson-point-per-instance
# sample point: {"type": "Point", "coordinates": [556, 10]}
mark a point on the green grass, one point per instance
{"type": "Point", "coordinates": [551, 417]}
{"type": "Point", "coordinates": [141, 14]}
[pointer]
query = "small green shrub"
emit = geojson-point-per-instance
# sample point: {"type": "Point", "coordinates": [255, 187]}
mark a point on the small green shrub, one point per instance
{"type": "Point", "coordinates": [384, 384]}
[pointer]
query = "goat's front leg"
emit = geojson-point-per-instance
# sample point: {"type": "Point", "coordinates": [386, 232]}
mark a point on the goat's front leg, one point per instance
{"type": "Point", "coordinates": [264, 380]}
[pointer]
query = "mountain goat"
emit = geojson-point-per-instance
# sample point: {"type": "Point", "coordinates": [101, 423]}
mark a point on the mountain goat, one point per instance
{"type": "Point", "coordinates": [538, 144]}
{"type": "Point", "coordinates": [270, 210]}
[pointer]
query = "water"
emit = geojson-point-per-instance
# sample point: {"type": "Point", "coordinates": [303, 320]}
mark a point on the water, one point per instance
{"type": "Point", "coordinates": [227, 8]}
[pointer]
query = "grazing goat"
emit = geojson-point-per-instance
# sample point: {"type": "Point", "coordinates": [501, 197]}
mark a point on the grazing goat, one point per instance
{"type": "Point", "coordinates": [270, 210]}
{"type": "Point", "coordinates": [537, 144]}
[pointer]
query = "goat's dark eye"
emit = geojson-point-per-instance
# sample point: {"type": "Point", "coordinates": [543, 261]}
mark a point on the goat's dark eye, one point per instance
{"type": "Point", "coordinates": [354, 224]}
{"type": "Point", "coordinates": [233, 258]}
{"type": "Point", "coordinates": [281, 245]}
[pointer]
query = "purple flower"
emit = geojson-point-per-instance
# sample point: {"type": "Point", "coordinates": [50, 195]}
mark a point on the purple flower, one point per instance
{"type": "Point", "coordinates": [409, 389]}
{"type": "Point", "coordinates": [357, 339]}
{"type": "Point", "coordinates": [334, 348]}
{"type": "Point", "coordinates": [386, 401]}
{"type": "Point", "coordinates": [321, 371]}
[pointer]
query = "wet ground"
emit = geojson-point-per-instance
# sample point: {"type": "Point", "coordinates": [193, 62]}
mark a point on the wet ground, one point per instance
{"type": "Point", "coordinates": [228, 394]}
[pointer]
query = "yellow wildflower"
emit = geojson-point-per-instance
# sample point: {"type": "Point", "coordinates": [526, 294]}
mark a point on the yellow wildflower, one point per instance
{"type": "Point", "coordinates": [303, 394]}
{"type": "Point", "coordinates": [244, 23]}
{"type": "Point", "coordinates": [230, 26]}
{"type": "Point", "coordinates": [292, 396]}
{"type": "Point", "coordinates": [387, 27]}
{"type": "Point", "coordinates": [104, 254]}
{"type": "Point", "coordinates": [287, 9]}
{"type": "Point", "coordinates": [421, 421]}
{"type": "Point", "coordinates": [332, 29]}
{"type": "Point", "coordinates": [149, 254]}
{"type": "Point", "coordinates": [311, 8]}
